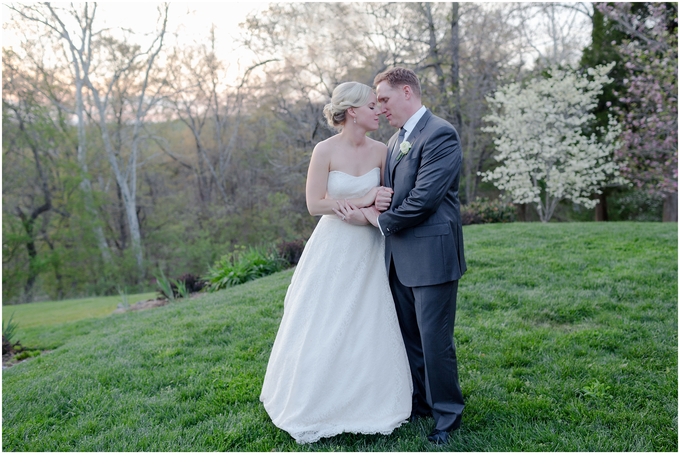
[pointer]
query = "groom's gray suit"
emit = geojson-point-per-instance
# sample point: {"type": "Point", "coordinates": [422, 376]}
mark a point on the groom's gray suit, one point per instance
{"type": "Point", "coordinates": [424, 259]}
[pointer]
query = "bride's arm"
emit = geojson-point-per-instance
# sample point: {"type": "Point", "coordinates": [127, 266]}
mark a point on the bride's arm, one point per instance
{"type": "Point", "coordinates": [318, 202]}
{"type": "Point", "coordinates": [351, 214]}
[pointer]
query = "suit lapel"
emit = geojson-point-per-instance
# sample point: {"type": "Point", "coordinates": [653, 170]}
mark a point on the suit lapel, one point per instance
{"type": "Point", "coordinates": [389, 164]}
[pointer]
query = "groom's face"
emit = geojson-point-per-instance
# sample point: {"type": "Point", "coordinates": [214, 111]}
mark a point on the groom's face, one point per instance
{"type": "Point", "coordinates": [393, 103]}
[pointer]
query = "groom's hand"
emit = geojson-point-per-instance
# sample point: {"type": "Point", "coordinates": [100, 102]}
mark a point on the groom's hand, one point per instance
{"type": "Point", "coordinates": [383, 199]}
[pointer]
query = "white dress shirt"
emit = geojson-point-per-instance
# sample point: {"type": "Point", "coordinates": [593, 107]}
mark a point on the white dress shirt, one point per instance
{"type": "Point", "coordinates": [412, 121]}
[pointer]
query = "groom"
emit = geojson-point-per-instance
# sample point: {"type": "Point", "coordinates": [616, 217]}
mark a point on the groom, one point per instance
{"type": "Point", "coordinates": [423, 244]}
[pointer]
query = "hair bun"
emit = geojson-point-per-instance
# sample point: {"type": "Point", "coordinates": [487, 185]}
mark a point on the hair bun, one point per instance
{"type": "Point", "coordinates": [346, 95]}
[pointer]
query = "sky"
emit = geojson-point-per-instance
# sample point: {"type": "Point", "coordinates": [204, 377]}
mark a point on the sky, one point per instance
{"type": "Point", "coordinates": [190, 20]}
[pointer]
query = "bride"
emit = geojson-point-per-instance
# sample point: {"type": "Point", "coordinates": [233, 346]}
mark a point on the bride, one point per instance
{"type": "Point", "coordinates": [338, 363]}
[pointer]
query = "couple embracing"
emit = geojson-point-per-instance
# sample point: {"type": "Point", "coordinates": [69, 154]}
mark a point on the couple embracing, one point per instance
{"type": "Point", "coordinates": [366, 339]}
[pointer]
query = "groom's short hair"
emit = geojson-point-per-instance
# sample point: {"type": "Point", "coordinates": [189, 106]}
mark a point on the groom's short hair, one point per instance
{"type": "Point", "coordinates": [399, 76]}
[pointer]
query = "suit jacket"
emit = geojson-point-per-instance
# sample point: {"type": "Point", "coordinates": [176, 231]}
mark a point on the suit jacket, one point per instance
{"type": "Point", "coordinates": [422, 228]}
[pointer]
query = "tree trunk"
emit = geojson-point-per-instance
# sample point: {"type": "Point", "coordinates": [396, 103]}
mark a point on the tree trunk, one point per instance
{"type": "Point", "coordinates": [435, 59]}
{"type": "Point", "coordinates": [121, 219]}
{"type": "Point", "coordinates": [85, 184]}
{"type": "Point", "coordinates": [55, 265]}
{"type": "Point", "coordinates": [455, 66]}
{"type": "Point", "coordinates": [28, 223]}
{"type": "Point", "coordinates": [601, 214]}
{"type": "Point", "coordinates": [521, 212]}
{"type": "Point", "coordinates": [670, 208]}
{"type": "Point", "coordinates": [79, 69]}
{"type": "Point", "coordinates": [124, 182]}
{"type": "Point", "coordinates": [127, 178]}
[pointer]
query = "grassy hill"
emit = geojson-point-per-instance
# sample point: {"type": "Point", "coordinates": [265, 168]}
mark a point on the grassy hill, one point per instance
{"type": "Point", "coordinates": [566, 336]}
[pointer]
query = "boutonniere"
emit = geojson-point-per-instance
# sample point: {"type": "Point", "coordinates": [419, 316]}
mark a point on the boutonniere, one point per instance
{"type": "Point", "coordinates": [404, 148]}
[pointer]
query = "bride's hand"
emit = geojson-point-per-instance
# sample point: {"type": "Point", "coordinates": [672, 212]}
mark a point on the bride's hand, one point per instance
{"type": "Point", "coordinates": [351, 214]}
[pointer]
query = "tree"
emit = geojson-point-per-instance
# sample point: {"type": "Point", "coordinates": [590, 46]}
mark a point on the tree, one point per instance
{"type": "Point", "coordinates": [488, 58]}
{"type": "Point", "coordinates": [30, 143]}
{"type": "Point", "coordinates": [543, 153]}
{"type": "Point", "coordinates": [466, 57]}
{"type": "Point", "coordinates": [649, 110]}
{"type": "Point", "coordinates": [125, 59]}
{"type": "Point", "coordinates": [603, 50]}
{"type": "Point", "coordinates": [211, 109]}
{"type": "Point", "coordinates": [40, 179]}
{"type": "Point", "coordinates": [99, 61]}
{"type": "Point", "coordinates": [42, 80]}
{"type": "Point", "coordinates": [552, 31]}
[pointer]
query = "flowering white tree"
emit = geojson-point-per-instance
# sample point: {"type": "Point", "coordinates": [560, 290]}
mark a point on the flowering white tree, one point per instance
{"type": "Point", "coordinates": [544, 155]}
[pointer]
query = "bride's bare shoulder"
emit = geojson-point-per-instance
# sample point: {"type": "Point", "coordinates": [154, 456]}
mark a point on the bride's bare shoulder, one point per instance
{"type": "Point", "coordinates": [323, 151]}
{"type": "Point", "coordinates": [377, 145]}
{"type": "Point", "coordinates": [327, 145]}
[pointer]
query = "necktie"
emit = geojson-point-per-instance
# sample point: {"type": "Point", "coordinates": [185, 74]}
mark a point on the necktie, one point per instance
{"type": "Point", "coordinates": [400, 139]}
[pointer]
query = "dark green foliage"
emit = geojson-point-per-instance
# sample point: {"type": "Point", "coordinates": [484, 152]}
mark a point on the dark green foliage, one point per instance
{"type": "Point", "coordinates": [183, 286]}
{"type": "Point", "coordinates": [8, 331]}
{"type": "Point", "coordinates": [192, 282]}
{"type": "Point", "coordinates": [9, 328]}
{"type": "Point", "coordinates": [165, 287]}
{"type": "Point", "coordinates": [566, 337]}
{"type": "Point", "coordinates": [243, 265]}
{"type": "Point", "coordinates": [291, 251]}
{"type": "Point", "coordinates": [606, 37]}
{"type": "Point", "coordinates": [637, 205]}
{"type": "Point", "coordinates": [484, 211]}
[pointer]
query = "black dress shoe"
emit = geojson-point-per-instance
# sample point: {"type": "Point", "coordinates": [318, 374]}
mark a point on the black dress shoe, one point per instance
{"type": "Point", "coordinates": [438, 437]}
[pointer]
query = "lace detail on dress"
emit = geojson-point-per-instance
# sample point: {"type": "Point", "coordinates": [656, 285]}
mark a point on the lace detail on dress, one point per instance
{"type": "Point", "coordinates": [338, 363]}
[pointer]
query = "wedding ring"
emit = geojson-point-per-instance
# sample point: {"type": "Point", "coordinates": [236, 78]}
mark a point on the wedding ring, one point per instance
{"type": "Point", "coordinates": [343, 217]}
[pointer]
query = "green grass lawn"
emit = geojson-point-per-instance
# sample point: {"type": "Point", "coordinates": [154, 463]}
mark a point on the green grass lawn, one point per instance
{"type": "Point", "coordinates": [62, 311]}
{"type": "Point", "coordinates": [35, 320]}
{"type": "Point", "coordinates": [566, 335]}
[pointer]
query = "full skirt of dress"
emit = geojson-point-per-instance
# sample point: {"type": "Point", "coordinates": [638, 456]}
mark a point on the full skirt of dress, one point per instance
{"type": "Point", "coordinates": [338, 362]}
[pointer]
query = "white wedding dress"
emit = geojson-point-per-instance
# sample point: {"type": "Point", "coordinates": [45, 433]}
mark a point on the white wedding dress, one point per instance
{"type": "Point", "coordinates": [338, 363]}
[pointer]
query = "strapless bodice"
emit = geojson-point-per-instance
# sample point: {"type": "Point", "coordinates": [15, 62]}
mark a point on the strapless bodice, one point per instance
{"type": "Point", "coordinates": [344, 186]}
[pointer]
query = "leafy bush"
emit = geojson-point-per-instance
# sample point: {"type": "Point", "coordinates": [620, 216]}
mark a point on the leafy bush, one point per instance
{"type": "Point", "coordinates": [8, 331]}
{"type": "Point", "coordinates": [191, 282]}
{"type": "Point", "coordinates": [636, 205]}
{"type": "Point", "coordinates": [123, 292]}
{"type": "Point", "coordinates": [165, 286]}
{"type": "Point", "coordinates": [487, 212]}
{"type": "Point", "coordinates": [182, 290]}
{"type": "Point", "coordinates": [243, 265]}
{"type": "Point", "coordinates": [291, 251]}
{"type": "Point", "coordinates": [183, 286]}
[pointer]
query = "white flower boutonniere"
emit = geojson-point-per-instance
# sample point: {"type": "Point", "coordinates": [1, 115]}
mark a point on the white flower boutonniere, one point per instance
{"type": "Point", "coordinates": [404, 148]}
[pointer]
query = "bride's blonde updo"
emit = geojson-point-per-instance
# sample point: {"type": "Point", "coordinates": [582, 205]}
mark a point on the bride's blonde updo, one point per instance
{"type": "Point", "coordinates": [346, 95]}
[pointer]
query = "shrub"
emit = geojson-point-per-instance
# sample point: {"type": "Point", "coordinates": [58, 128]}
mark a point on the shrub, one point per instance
{"type": "Point", "coordinates": [291, 251]}
{"type": "Point", "coordinates": [182, 290]}
{"type": "Point", "coordinates": [487, 212]}
{"type": "Point", "coordinates": [191, 282]}
{"type": "Point", "coordinates": [165, 286]}
{"type": "Point", "coordinates": [243, 265]}
{"type": "Point", "coordinates": [636, 205]}
{"type": "Point", "coordinates": [183, 286]}
{"type": "Point", "coordinates": [8, 331]}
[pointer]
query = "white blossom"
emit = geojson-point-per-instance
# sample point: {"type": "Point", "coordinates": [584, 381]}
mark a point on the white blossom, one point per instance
{"type": "Point", "coordinates": [544, 156]}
